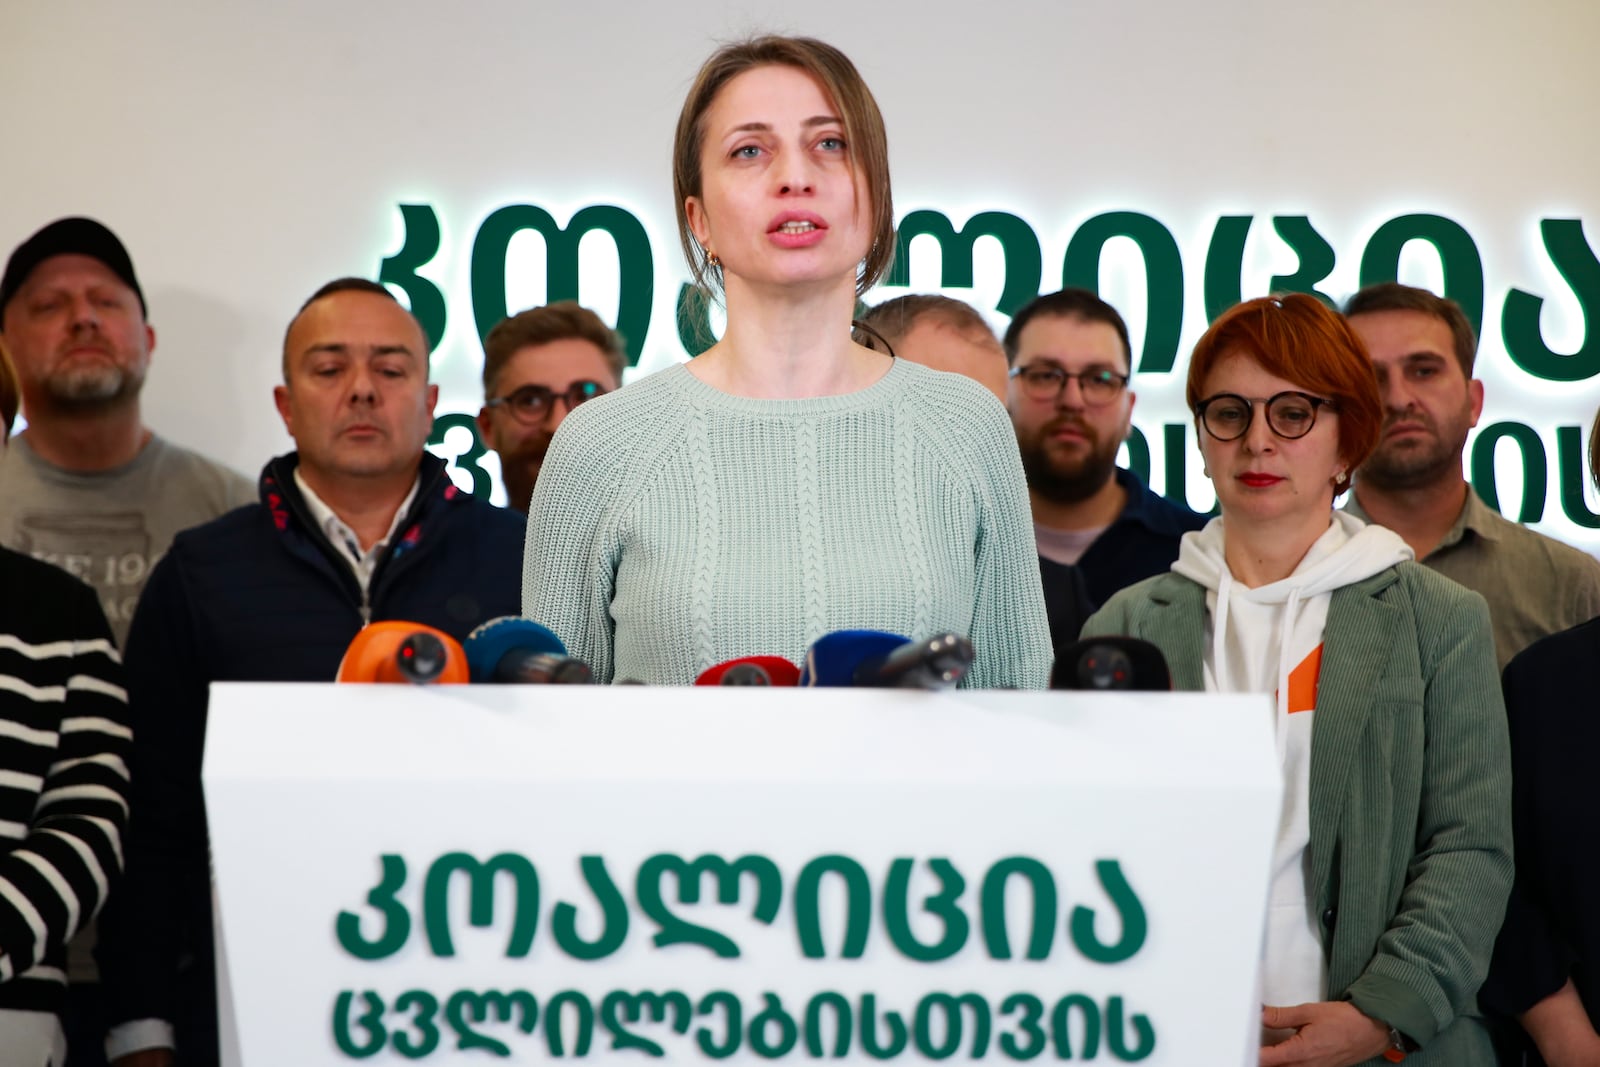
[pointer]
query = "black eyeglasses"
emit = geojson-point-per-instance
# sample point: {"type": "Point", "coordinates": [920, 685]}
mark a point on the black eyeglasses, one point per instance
{"type": "Point", "coordinates": [1290, 414]}
{"type": "Point", "coordinates": [532, 403]}
{"type": "Point", "coordinates": [1045, 381]}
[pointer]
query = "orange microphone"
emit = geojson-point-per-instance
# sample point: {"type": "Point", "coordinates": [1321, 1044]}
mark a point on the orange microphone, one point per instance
{"type": "Point", "coordinates": [395, 651]}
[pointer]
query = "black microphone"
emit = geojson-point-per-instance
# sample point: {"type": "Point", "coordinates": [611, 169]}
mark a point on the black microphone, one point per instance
{"type": "Point", "coordinates": [517, 651]}
{"type": "Point", "coordinates": [1111, 663]}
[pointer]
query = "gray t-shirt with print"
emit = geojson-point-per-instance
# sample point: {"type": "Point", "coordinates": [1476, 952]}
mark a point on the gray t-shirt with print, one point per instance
{"type": "Point", "coordinates": [109, 528]}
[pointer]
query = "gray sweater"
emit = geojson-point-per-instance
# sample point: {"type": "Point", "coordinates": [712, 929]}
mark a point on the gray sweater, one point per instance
{"type": "Point", "coordinates": [675, 526]}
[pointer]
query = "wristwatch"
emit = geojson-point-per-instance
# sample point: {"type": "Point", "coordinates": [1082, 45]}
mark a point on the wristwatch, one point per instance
{"type": "Point", "coordinates": [1399, 1045]}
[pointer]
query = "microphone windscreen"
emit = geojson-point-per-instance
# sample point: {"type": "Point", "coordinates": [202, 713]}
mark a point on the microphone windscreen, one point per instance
{"type": "Point", "coordinates": [779, 671]}
{"type": "Point", "coordinates": [488, 644]}
{"type": "Point", "coordinates": [833, 659]}
{"type": "Point", "coordinates": [1111, 663]}
{"type": "Point", "coordinates": [394, 651]}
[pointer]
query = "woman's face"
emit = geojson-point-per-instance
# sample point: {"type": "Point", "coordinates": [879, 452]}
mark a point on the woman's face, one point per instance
{"type": "Point", "coordinates": [779, 202]}
{"type": "Point", "coordinates": [1261, 475]}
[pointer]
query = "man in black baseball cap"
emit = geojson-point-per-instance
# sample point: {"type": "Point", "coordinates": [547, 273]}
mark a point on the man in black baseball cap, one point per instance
{"type": "Point", "coordinates": [86, 485]}
{"type": "Point", "coordinates": [69, 236]}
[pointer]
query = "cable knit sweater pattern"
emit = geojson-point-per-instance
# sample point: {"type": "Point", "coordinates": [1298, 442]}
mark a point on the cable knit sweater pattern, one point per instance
{"type": "Point", "coordinates": [675, 526]}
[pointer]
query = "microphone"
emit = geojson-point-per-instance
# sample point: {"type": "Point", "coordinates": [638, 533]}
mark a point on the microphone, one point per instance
{"type": "Point", "coordinates": [875, 658]}
{"type": "Point", "coordinates": [751, 670]}
{"type": "Point", "coordinates": [1111, 663]}
{"type": "Point", "coordinates": [516, 651]}
{"type": "Point", "coordinates": [394, 651]}
{"type": "Point", "coordinates": [938, 662]}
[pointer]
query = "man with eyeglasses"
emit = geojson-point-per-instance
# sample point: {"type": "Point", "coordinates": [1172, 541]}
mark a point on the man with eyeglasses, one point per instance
{"type": "Point", "coordinates": [1097, 526]}
{"type": "Point", "coordinates": [537, 366]}
{"type": "Point", "coordinates": [358, 524]}
{"type": "Point", "coordinates": [1423, 349]}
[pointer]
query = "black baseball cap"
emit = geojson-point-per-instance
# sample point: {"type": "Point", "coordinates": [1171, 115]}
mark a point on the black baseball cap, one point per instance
{"type": "Point", "coordinates": [70, 236]}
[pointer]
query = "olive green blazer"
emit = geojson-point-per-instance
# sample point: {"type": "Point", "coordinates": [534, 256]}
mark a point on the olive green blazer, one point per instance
{"type": "Point", "coordinates": [1410, 788]}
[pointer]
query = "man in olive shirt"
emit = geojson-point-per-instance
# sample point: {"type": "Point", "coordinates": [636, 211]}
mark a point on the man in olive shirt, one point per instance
{"type": "Point", "coordinates": [1423, 348]}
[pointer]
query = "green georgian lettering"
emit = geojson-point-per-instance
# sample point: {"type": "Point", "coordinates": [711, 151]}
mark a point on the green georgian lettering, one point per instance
{"type": "Point", "coordinates": [613, 914]}
{"type": "Point", "coordinates": [1043, 887]}
{"type": "Point", "coordinates": [1163, 274]}
{"type": "Point", "coordinates": [553, 1031]}
{"type": "Point", "coordinates": [843, 1024]}
{"type": "Point", "coordinates": [898, 1032]}
{"type": "Point", "coordinates": [636, 264]}
{"type": "Point", "coordinates": [1175, 442]}
{"type": "Point", "coordinates": [951, 1007]}
{"type": "Point", "coordinates": [1519, 320]}
{"type": "Point", "coordinates": [638, 1008]}
{"type": "Point", "coordinates": [1138, 454]}
{"type": "Point", "coordinates": [396, 920]}
{"type": "Point", "coordinates": [421, 244]}
{"type": "Point", "coordinates": [1029, 1026]}
{"type": "Point", "coordinates": [1458, 256]}
{"type": "Point", "coordinates": [1535, 468]}
{"type": "Point", "coordinates": [897, 908]}
{"type": "Point", "coordinates": [1315, 253]}
{"type": "Point", "coordinates": [1129, 910]}
{"type": "Point", "coordinates": [732, 1029]}
{"type": "Point", "coordinates": [1570, 460]}
{"type": "Point", "coordinates": [482, 484]}
{"type": "Point", "coordinates": [1144, 1041]}
{"type": "Point", "coordinates": [1018, 244]}
{"type": "Point", "coordinates": [465, 1008]}
{"type": "Point", "coordinates": [675, 931]}
{"type": "Point", "coordinates": [1224, 275]}
{"type": "Point", "coordinates": [1089, 1012]}
{"type": "Point", "coordinates": [858, 906]}
{"type": "Point", "coordinates": [371, 1020]}
{"type": "Point", "coordinates": [427, 1039]}
{"type": "Point", "coordinates": [481, 878]}
{"type": "Point", "coordinates": [773, 1015]}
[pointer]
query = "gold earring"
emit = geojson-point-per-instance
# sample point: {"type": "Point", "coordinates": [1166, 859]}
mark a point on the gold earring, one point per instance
{"type": "Point", "coordinates": [712, 260]}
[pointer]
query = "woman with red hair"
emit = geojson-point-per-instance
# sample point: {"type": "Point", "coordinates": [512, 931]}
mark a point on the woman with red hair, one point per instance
{"type": "Point", "coordinates": [1393, 855]}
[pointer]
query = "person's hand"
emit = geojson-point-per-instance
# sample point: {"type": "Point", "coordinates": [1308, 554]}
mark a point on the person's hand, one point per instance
{"type": "Point", "coordinates": [145, 1057]}
{"type": "Point", "coordinates": [1327, 1034]}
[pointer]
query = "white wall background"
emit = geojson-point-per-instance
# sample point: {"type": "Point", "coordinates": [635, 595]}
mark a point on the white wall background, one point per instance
{"type": "Point", "coordinates": [247, 153]}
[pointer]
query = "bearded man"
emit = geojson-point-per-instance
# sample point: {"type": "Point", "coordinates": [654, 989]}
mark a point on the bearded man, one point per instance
{"type": "Point", "coordinates": [1097, 526]}
{"type": "Point", "coordinates": [1423, 349]}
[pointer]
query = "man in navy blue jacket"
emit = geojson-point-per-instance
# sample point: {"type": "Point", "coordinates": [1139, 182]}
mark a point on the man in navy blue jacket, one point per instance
{"type": "Point", "coordinates": [358, 524]}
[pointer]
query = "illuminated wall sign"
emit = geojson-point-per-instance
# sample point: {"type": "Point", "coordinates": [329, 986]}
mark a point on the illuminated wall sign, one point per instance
{"type": "Point", "coordinates": [1163, 437]}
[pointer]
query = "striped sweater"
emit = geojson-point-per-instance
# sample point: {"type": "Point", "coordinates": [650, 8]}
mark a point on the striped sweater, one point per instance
{"type": "Point", "coordinates": [64, 742]}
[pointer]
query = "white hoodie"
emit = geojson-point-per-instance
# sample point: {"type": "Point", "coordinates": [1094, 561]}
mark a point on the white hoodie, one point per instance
{"type": "Point", "coordinates": [1269, 640]}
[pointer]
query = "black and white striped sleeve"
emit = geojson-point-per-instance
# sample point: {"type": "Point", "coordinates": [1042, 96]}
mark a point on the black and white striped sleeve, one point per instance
{"type": "Point", "coordinates": [64, 745]}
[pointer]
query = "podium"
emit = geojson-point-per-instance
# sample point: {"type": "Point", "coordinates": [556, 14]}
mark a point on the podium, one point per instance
{"type": "Point", "coordinates": [474, 874]}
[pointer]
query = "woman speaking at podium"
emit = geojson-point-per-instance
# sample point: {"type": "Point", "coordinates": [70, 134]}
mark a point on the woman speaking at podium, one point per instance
{"type": "Point", "coordinates": [1393, 856]}
{"type": "Point", "coordinates": [788, 482]}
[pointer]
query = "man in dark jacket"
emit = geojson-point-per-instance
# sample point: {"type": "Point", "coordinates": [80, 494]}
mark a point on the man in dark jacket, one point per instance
{"type": "Point", "coordinates": [359, 524]}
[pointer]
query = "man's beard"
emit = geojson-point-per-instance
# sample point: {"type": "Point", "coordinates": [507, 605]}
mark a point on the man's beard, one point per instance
{"type": "Point", "coordinates": [1067, 481]}
{"type": "Point", "coordinates": [92, 387]}
{"type": "Point", "coordinates": [1417, 462]}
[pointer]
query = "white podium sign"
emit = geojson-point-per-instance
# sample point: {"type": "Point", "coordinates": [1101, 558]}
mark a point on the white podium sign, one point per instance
{"type": "Point", "coordinates": [475, 874]}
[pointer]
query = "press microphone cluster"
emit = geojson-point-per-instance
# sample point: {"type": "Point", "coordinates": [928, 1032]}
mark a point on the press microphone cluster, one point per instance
{"type": "Point", "coordinates": [873, 658]}
{"type": "Point", "coordinates": [516, 651]}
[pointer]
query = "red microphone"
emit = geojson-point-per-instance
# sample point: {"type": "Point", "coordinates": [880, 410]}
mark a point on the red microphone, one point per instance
{"type": "Point", "coordinates": [410, 652]}
{"type": "Point", "coordinates": [751, 670]}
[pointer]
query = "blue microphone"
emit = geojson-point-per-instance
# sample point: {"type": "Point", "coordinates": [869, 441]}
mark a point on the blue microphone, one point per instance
{"type": "Point", "coordinates": [516, 651]}
{"type": "Point", "coordinates": [876, 659]}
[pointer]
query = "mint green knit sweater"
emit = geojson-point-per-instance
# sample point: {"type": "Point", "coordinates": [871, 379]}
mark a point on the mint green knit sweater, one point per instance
{"type": "Point", "coordinates": [675, 526]}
